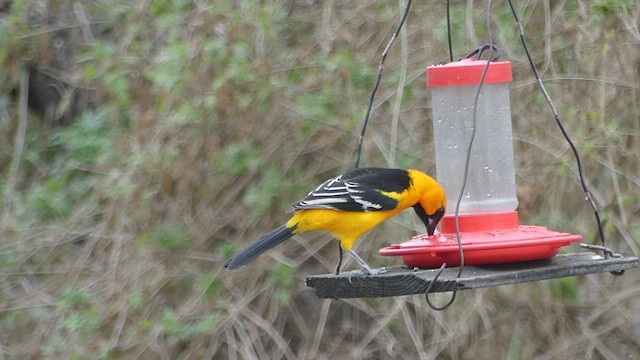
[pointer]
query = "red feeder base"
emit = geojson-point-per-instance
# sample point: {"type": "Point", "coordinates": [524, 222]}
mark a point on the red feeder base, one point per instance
{"type": "Point", "coordinates": [486, 239]}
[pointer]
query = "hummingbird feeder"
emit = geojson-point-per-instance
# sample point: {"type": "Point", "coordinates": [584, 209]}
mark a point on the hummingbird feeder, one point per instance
{"type": "Point", "coordinates": [487, 219]}
{"type": "Point", "coordinates": [482, 222]}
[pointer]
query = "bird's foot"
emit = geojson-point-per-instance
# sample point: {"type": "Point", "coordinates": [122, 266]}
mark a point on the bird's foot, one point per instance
{"type": "Point", "coordinates": [365, 272]}
{"type": "Point", "coordinates": [380, 271]}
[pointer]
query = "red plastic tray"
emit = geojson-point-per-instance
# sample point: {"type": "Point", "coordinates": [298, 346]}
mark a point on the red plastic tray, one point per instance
{"type": "Point", "coordinates": [522, 243]}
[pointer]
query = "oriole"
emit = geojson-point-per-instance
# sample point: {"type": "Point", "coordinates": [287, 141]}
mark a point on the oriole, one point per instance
{"type": "Point", "coordinates": [349, 205]}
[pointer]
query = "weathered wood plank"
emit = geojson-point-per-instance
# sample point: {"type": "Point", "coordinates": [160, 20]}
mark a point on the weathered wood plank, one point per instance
{"type": "Point", "coordinates": [403, 281]}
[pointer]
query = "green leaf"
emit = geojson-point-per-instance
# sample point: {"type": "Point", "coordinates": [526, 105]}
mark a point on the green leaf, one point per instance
{"type": "Point", "coordinates": [171, 237]}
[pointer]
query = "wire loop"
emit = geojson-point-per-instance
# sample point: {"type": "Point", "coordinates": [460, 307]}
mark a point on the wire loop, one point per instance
{"type": "Point", "coordinates": [480, 50]}
{"type": "Point", "coordinates": [431, 284]}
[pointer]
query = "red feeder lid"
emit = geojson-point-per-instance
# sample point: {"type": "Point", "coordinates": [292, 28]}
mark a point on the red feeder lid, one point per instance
{"type": "Point", "coordinates": [468, 72]}
{"type": "Point", "coordinates": [523, 243]}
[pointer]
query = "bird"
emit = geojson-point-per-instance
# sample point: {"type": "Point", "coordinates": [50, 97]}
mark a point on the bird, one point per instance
{"type": "Point", "coordinates": [349, 205]}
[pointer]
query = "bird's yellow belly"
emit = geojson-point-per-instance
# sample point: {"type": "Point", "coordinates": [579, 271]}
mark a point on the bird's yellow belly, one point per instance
{"type": "Point", "coordinates": [346, 226]}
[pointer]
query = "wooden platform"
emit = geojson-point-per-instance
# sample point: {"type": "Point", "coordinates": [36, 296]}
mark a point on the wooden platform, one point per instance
{"type": "Point", "coordinates": [403, 281]}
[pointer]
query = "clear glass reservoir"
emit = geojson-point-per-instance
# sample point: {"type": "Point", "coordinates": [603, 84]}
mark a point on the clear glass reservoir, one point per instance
{"type": "Point", "coordinates": [490, 187]}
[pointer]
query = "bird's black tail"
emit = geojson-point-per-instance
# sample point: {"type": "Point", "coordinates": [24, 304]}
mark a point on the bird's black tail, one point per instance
{"type": "Point", "coordinates": [263, 244]}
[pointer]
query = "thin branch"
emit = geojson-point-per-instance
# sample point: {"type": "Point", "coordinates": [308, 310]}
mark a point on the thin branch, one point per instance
{"type": "Point", "coordinates": [18, 147]}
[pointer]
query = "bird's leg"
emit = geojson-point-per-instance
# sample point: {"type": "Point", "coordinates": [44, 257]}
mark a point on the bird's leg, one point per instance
{"type": "Point", "coordinates": [340, 255]}
{"type": "Point", "coordinates": [366, 270]}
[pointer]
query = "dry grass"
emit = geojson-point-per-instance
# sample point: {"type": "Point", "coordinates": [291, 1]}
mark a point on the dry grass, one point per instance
{"type": "Point", "coordinates": [208, 120]}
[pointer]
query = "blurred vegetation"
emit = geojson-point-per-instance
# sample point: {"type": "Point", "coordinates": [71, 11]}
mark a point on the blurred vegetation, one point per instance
{"type": "Point", "coordinates": [160, 136]}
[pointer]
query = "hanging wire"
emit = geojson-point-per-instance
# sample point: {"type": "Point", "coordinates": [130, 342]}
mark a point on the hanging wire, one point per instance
{"type": "Point", "coordinates": [370, 105]}
{"type": "Point", "coordinates": [574, 149]}
{"type": "Point", "coordinates": [449, 31]}
{"type": "Point", "coordinates": [377, 84]}
{"type": "Point", "coordinates": [491, 57]}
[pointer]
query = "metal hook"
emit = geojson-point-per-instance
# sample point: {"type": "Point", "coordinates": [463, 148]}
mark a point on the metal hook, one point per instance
{"type": "Point", "coordinates": [607, 253]}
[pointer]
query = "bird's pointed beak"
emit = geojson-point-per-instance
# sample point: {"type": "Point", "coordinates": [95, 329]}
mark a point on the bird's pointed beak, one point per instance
{"type": "Point", "coordinates": [430, 221]}
{"type": "Point", "coordinates": [433, 220]}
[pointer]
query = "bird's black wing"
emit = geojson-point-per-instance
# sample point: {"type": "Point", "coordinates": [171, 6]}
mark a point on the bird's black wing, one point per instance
{"type": "Point", "coordinates": [358, 190]}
